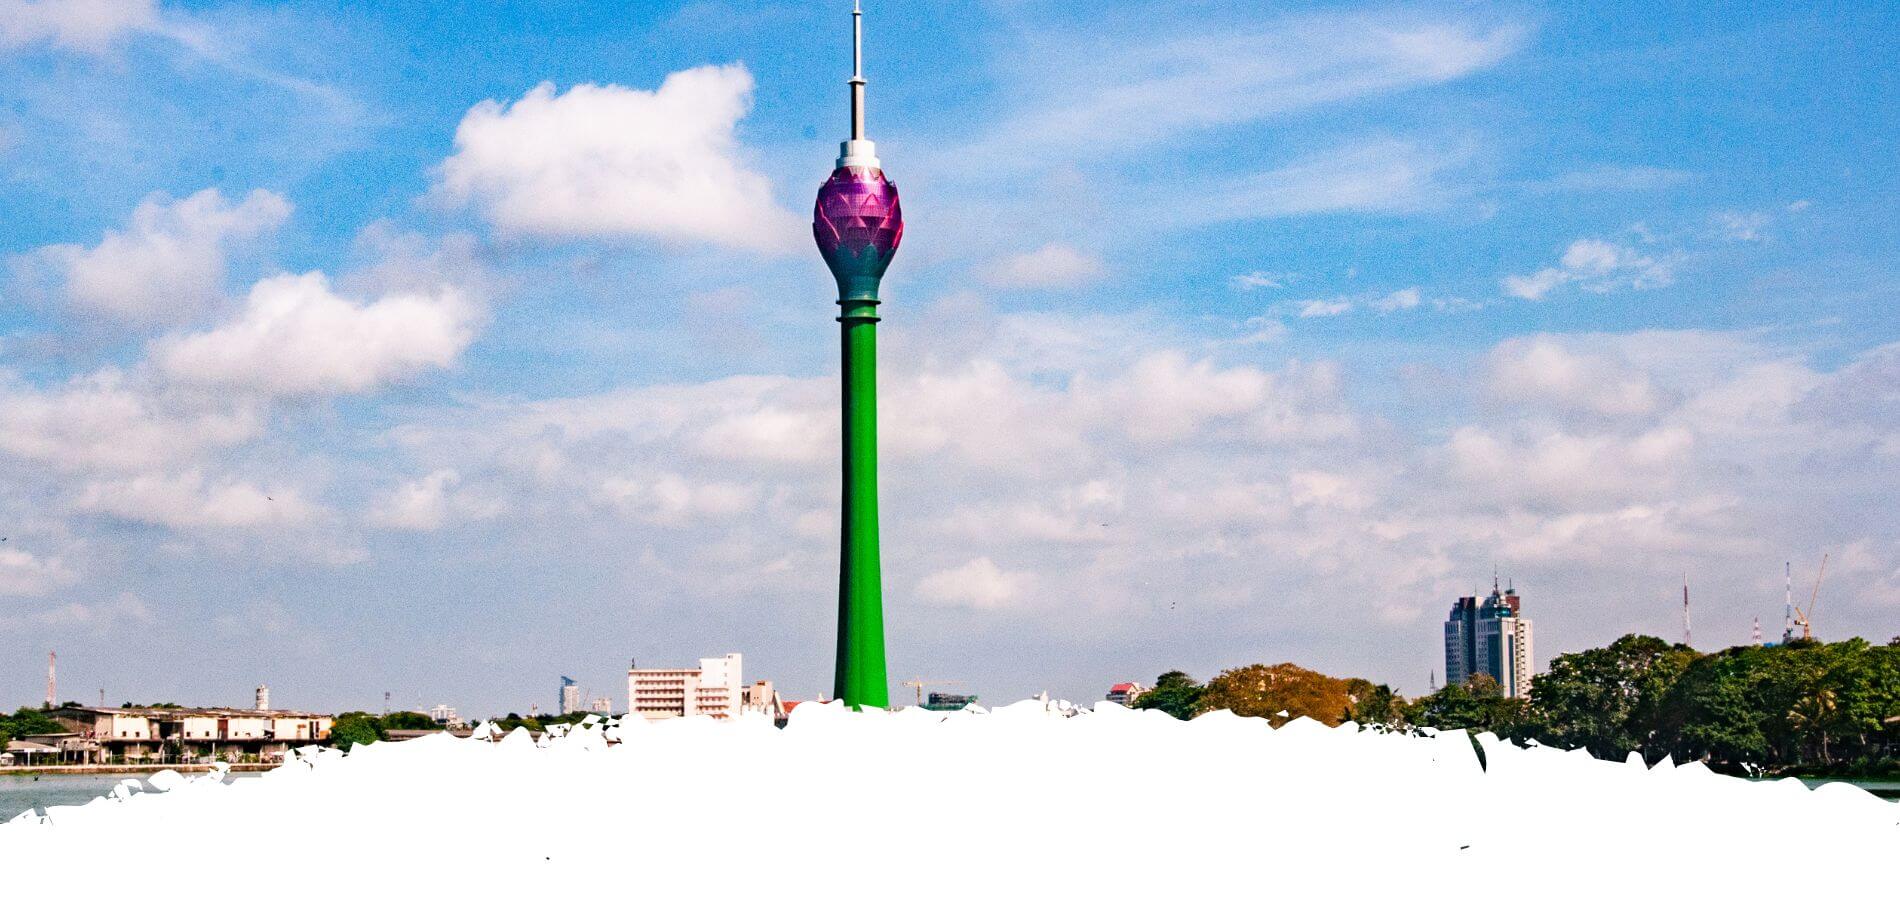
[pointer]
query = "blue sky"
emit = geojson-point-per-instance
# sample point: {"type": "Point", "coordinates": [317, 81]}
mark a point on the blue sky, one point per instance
{"type": "Point", "coordinates": [445, 349]}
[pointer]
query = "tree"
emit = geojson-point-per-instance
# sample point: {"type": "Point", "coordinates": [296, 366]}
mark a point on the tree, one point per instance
{"type": "Point", "coordinates": [352, 728]}
{"type": "Point", "coordinates": [25, 721]}
{"type": "Point", "coordinates": [1608, 700]}
{"type": "Point", "coordinates": [1375, 704]}
{"type": "Point", "coordinates": [1266, 691]}
{"type": "Point", "coordinates": [1714, 711]}
{"type": "Point", "coordinates": [1175, 693]}
{"type": "Point", "coordinates": [1477, 705]}
{"type": "Point", "coordinates": [405, 720]}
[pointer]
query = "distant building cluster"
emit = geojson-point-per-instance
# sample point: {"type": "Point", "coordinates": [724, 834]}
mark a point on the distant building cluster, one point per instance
{"type": "Point", "coordinates": [941, 702]}
{"type": "Point", "coordinates": [716, 688]}
{"type": "Point", "coordinates": [1490, 637]}
{"type": "Point", "coordinates": [166, 734]}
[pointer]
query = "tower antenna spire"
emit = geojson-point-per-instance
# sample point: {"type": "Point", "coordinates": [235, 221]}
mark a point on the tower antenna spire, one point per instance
{"type": "Point", "coordinates": [859, 150]}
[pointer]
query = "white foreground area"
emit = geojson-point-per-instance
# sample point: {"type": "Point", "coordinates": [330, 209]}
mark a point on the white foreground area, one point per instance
{"type": "Point", "coordinates": [1018, 801]}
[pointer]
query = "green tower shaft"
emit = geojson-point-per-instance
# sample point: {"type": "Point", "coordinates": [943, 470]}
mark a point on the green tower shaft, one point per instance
{"type": "Point", "coordinates": [861, 678]}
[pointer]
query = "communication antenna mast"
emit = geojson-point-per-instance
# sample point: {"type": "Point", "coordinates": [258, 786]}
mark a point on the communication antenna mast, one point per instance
{"type": "Point", "coordinates": [1687, 640]}
{"type": "Point", "coordinates": [1787, 603]}
{"type": "Point", "coordinates": [385, 703]}
{"type": "Point", "coordinates": [1755, 635]}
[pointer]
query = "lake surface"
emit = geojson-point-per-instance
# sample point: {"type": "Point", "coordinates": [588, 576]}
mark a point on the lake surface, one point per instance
{"type": "Point", "coordinates": [1887, 789]}
{"type": "Point", "coordinates": [19, 793]}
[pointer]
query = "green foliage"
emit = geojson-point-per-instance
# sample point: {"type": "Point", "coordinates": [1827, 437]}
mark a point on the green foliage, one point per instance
{"type": "Point", "coordinates": [406, 720]}
{"type": "Point", "coordinates": [1608, 700]}
{"type": "Point", "coordinates": [1375, 704]}
{"type": "Point", "coordinates": [352, 728]}
{"type": "Point", "coordinates": [26, 720]}
{"type": "Point", "coordinates": [1802, 707]}
{"type": "Point", "coordinates": [1175, 693]}
{"type": "Point", "coordinates": [1477, 705]}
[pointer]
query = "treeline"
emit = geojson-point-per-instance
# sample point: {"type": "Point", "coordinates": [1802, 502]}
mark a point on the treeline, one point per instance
{"type": "Point", "coordinates": [25, 721]}
{"type": "Point", "coordinates": [1804, 707]}
{"type": "Point", "coordinates": [352, 728]}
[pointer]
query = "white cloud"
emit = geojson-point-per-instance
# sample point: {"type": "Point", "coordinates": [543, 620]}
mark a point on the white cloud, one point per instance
{"type": "Point", "coordinates": [1617, 178]}
{"type": "Point", "coordinates": [1053, 265]}
{"type": "Point", "coordinates": [1319, 309]}
{"type": "Point", "coordinates": [430, 502]}
{"type": "Point", "coordinates": [977, 584]}
{"type": "Point", "coordinates": [1261, 330]}
{"type": "Point", "coordinates": [187, 501]}
{"type": "Point", "coordinates": [166, 265]}
{"type": "Point", "coordinates": [671, 500]}
{"type": "Point", "coordinates": [1596, 266]}
{"type": "Point", "coordinates": [296, 336]}
{"type": "Point", "coordinates": [607, 160]}
{"type": "Point", "coordinates": [1406, 298]}
{"type": "Point", "coordinates": [1741, 226]}
{"type": "Point", "coordinates": [22, 574]}
{"type": "Point", "coordinates": [1543, 372]}
{"type": "Point", "coordinates": [1131, 87]}
{"type": "Point", "coordinates": [1560, 466]}
{"type": "Point", "coordinates": [1256, 280]}
{"type": "Point", "coordinates": [103, 421]}
{"type": "Point", "coordinates": [91, 26]}
{"type": "Point", "coordinates": [1379, 176]}
{"type": "Point", "coordinates": [125, 609]}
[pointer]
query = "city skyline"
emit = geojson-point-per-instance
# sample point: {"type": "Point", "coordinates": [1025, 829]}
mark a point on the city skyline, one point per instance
{"type": "Point", "coordinates": [337, 357]}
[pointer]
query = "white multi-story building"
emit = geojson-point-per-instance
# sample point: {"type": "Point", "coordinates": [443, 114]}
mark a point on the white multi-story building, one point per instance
{"type": "Point", "coordinates": [715, 689]}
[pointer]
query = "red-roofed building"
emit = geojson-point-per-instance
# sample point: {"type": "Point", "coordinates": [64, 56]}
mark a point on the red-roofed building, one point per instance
{"type": "Point", "coordinates": [1125, 693]}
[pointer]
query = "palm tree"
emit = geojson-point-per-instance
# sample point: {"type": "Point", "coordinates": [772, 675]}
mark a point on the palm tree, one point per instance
{"type": "Point", "coordinates": [1813, 715]}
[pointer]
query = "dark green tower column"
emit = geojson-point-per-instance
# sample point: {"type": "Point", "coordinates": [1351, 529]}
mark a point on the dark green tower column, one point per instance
{"type": "Point", "coordinates": [858, 226]}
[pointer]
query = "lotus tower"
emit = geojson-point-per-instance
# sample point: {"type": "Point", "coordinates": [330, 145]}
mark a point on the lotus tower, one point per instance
{"type": "Point", "coordinates": [858, 226]}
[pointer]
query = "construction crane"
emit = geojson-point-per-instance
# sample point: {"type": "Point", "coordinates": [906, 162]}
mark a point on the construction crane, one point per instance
{"type": "Point", "coordinates": [1803, 617]}
{"type": "Point", "coordinates": [920, 684]}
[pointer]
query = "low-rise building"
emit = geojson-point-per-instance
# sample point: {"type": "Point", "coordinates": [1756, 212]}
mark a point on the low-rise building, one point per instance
{"type": "Point", "coordinates": [178, 734]}
{"type": "Point", "coordinates": [1125, 693]}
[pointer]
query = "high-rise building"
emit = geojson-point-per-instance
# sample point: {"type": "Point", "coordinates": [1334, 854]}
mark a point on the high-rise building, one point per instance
{"type": "Point", "coordinates": [263, 698]}
{"type": "Point", "coordinates": [1490, 637]}
{"type": "Point", "coordinates": [603, 705]}
{"type": "Point", "coordinates": [715, 689]}
{"type": "Point", "coordinates": [858, 225]}
{"type": "Point", "coordinates": [570, 696]}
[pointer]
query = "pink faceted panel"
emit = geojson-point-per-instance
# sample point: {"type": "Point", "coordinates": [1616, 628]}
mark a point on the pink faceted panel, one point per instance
{"type": "Point", "coordinates": [857, 210]}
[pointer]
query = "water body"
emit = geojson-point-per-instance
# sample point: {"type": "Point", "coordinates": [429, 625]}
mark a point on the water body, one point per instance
{"type": "Point", "coordinates": [1887, 789]}
{"type": "Point", "coordinates": [19, 793]}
